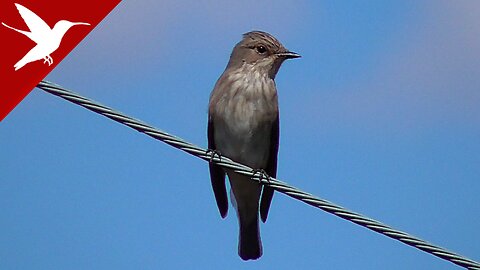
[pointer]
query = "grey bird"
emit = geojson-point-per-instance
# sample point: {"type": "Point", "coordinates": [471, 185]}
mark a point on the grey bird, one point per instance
{"type": "Point", "coordinates": [243, 124]}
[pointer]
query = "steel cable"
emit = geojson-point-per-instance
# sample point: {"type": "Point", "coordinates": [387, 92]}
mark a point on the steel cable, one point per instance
{"type": "Point", "coordinates": [258, 176]}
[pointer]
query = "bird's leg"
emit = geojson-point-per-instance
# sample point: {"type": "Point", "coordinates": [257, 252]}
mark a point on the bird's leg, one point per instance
{"type": "Point", "coordinates": [262, 175]}
{"type": "Point", "coordinates": [48, 60]}
{"type": "Point", "coordinates": [212, 153]}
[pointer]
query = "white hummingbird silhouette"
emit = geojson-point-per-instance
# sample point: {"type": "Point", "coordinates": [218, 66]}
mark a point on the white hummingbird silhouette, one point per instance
{"type": "Point", "coordinates": [47, 39]}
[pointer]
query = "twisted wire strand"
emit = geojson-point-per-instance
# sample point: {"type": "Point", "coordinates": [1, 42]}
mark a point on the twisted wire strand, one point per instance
{"type": "Point", "coordinates": [258, 176]}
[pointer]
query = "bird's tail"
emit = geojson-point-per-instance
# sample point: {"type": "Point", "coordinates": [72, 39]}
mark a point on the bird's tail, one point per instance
{"type": "Point", "coordinates": [245, 195]}
{"type": "Point", "coordinates": [20, 64]}
{"type": "Point", "coordinates": [249, 245]}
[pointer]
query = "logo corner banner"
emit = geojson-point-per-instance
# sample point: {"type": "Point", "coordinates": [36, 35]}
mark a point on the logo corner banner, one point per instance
{"type": "Point", "coordinates": [37, 35]}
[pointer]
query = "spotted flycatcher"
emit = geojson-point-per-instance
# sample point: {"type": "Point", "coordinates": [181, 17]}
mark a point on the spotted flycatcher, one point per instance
{"type": "Point", "coordinates": [243, 124]}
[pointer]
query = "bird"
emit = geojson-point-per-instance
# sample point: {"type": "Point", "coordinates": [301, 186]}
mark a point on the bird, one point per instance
{"type": "Point", "coordinates": [243, 125]}
{"type": "Point", "coordinates": [47, 39]}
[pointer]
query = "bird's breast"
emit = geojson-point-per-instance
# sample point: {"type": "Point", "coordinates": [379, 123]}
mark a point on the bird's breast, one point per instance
{"type": "Point", "coordinates": [250, 97]}
{"type": "Point", "coordinates": [243, 116]}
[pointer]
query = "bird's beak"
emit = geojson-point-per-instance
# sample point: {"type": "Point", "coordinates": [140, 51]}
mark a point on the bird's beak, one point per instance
{"type": "Point", "coordinates": [288, 55]}
{"type": "Point", "coordinates": [81, 23]}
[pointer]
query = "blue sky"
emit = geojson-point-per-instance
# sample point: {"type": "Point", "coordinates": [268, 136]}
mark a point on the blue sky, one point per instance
{"type": "Point", "coordinates": [380, 115]}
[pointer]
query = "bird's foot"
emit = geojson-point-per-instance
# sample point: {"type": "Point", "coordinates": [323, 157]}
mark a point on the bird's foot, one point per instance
{"type": "Point", "coordinates": [262, 174]}
{"type": "Point", "coordinates": [212, 153]}
{"type": "Point", "coordinates": [48, 60]}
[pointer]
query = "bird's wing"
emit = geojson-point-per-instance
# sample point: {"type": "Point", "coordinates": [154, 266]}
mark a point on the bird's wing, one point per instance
{"type": "Point", "coordinates": [271, 169]}
{"type": "Point", "coordinates": [39, 29]}
{"type": "Point", "coordinates": [26, 33]}
{"type": "Point", "coordinates": [217, 175]}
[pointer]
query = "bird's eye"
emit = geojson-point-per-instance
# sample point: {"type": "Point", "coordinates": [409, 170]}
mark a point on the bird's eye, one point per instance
{"type": "Point", "coordinates": [261, 49]}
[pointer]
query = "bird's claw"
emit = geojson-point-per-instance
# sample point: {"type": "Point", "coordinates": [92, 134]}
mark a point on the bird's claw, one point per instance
{"type": "Point", "coordinates": [263, 175]}
{"type": "Point", "coordinates": [212, 153]}
{"type": "Point", "coordinates": [48, 59]}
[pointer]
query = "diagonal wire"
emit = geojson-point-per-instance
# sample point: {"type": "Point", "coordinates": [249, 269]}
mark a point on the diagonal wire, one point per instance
{"type": "Point", "coordinates": [280, 186]}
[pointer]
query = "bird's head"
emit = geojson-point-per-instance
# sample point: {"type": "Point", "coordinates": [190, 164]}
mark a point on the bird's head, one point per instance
{"type": "Point", "coordinates": [261, 50]}
{"type": "Point", "coordinates": [63, 25]}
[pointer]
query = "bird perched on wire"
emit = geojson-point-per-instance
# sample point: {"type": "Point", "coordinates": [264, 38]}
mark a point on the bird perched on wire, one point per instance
{"type": "Point", "coordinates": [243, 124]}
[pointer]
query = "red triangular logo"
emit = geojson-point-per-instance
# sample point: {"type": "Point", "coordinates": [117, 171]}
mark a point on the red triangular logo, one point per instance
{"type": "Point", "coordinates": [36, 36]}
